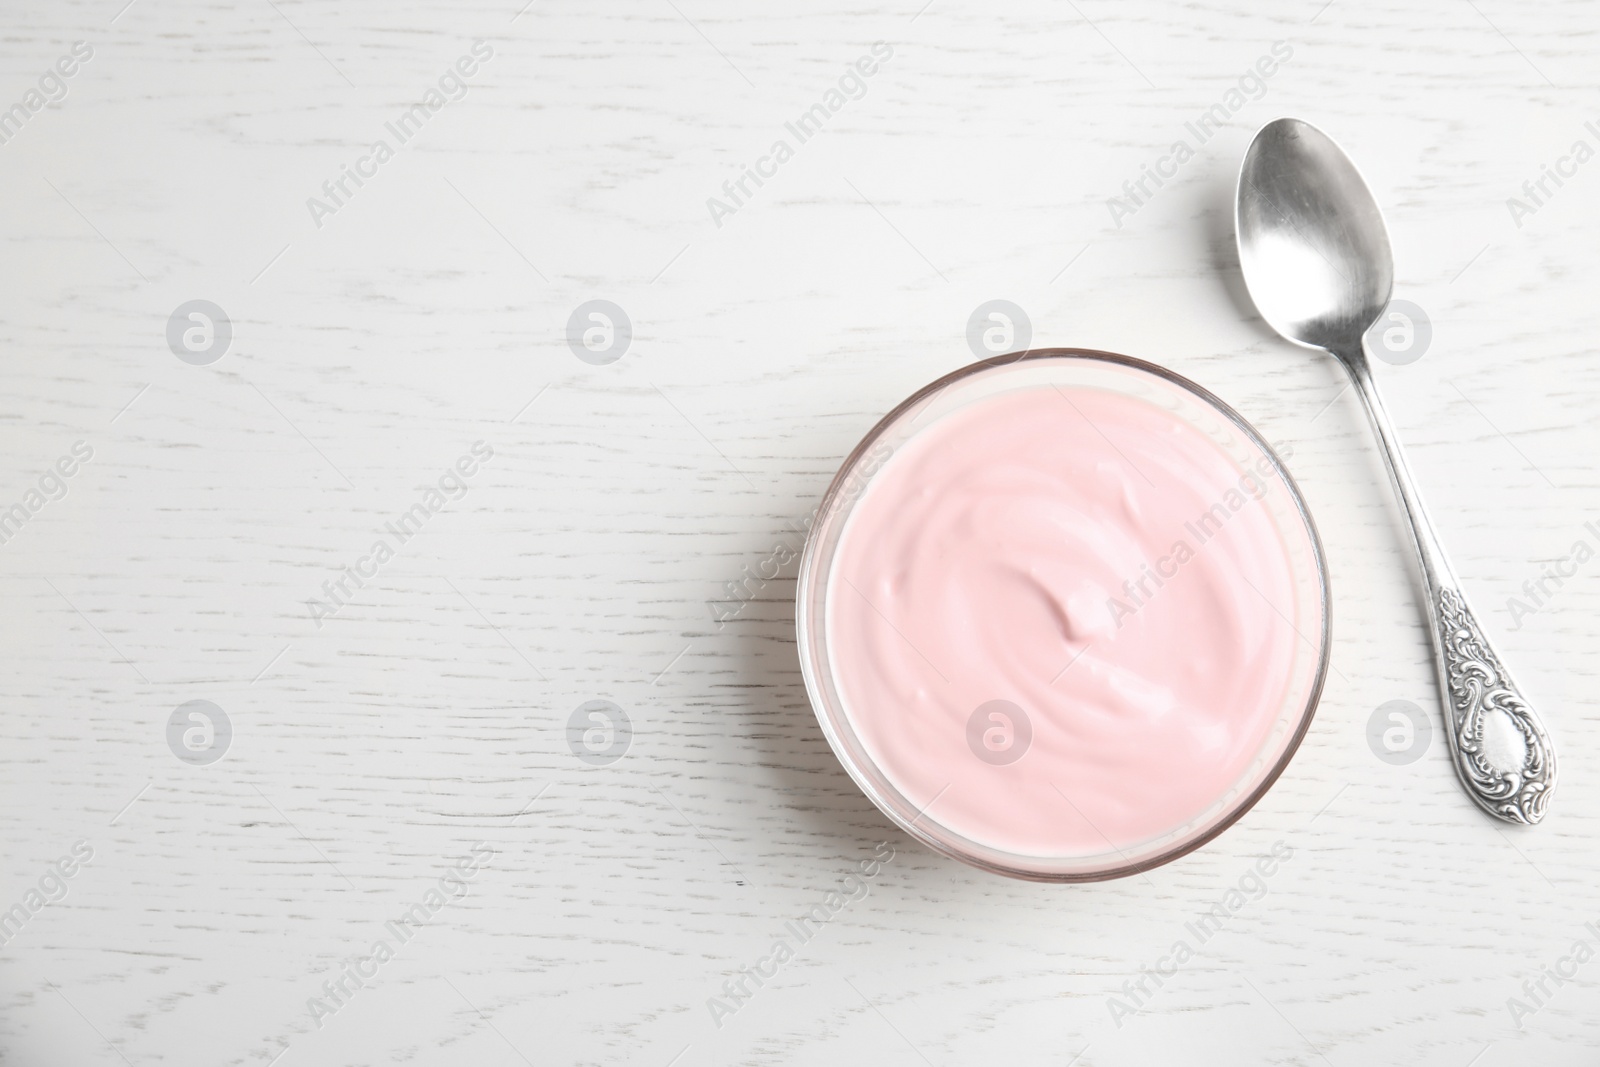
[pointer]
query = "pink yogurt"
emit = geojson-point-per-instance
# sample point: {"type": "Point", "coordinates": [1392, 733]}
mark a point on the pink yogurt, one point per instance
{"type": "Point", "coordinates": [1058, 621]}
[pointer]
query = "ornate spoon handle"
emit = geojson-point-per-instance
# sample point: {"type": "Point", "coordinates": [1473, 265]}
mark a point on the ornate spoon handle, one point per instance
{"type": "Point", "coordinates": [1476, 686]}
{"type": "Point", "coordinates": [1472, 683]}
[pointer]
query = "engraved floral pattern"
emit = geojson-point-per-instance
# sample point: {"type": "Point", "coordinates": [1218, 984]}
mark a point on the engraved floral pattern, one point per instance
{"type": "Point", "coordinates": [1478, 686]}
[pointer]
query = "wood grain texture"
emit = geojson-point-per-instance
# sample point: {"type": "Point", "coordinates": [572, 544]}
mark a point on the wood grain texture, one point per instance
{"type": "Point", "coordinates": [430, 712]}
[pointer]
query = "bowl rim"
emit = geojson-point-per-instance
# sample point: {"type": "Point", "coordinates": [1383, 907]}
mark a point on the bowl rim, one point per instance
{"type": "Point", "coordinates": [804, 597]}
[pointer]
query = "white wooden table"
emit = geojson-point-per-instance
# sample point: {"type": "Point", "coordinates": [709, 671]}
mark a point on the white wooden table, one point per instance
{"type": "Point", "coordinates": [423, 709]}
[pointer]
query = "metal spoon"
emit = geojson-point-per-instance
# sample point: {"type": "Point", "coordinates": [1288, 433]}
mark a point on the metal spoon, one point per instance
{"type": "Point", "coordinates": [1316, 259]}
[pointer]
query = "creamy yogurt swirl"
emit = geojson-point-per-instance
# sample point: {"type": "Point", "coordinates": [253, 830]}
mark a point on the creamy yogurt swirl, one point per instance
{"type": "Point", "coordinates": [1058, 617]}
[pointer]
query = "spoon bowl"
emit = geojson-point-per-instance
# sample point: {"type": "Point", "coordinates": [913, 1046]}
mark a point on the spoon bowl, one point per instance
{"type": "Point", "coordinates": [1312, 243]}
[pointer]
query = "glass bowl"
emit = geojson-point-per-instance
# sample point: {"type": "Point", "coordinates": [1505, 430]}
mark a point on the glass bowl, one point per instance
{"type": "Point", "coordinates": [917, 810]}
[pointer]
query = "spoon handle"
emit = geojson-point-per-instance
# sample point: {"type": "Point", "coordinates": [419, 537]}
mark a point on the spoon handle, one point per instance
{"type": "Point", "coordinates": [1472, 682]}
